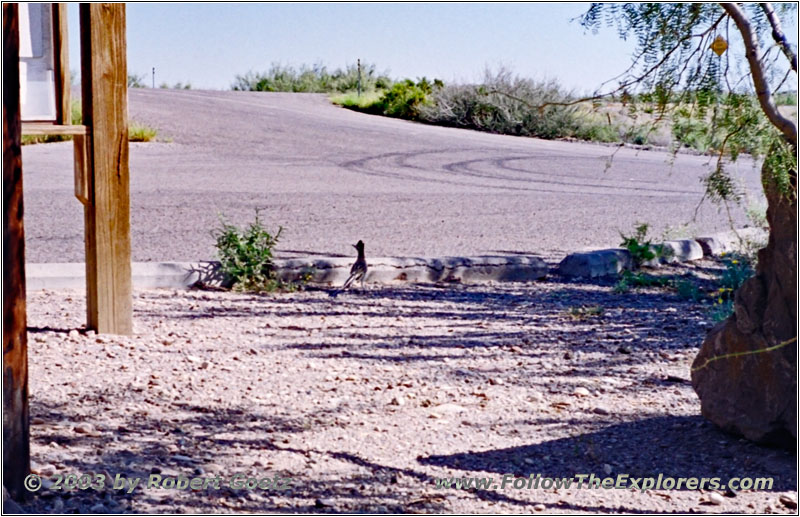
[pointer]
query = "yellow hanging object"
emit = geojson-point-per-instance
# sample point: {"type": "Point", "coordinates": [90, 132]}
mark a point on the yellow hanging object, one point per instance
{"type": "Point", "coordinates": [719, 46]}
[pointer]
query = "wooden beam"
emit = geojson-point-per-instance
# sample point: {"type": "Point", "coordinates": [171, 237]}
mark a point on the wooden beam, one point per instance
{"type": "Point", "coordinates": [47, 128]}
{"type": "Point", "coordinates": [104, 82]}
{"type": "Point", "coordinates": [80, 147]}
{"type": "Point", "coordinates": [16, 434]}
{"type": "Point", "coordinates": [61, 65]}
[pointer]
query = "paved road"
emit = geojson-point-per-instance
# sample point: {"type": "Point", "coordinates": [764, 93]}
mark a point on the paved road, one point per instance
{"type": "Point", "coordinates": [331, 176]}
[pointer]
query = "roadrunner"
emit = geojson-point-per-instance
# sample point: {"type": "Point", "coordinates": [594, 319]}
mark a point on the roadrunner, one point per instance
{"type": "Point", "coordinates": [359, 269]}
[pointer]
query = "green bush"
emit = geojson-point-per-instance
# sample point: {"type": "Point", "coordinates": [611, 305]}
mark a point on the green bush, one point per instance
{"type": "Point", "coordinates": [140, 133]}
{"type": "Point", "coordinates": [738, 268]}
{"type": "Point", "coordinates": [246, 255]}
{"type": "Point", "coordinates": [406, 98]}
{"type": "Point", "coordinates": [368, 102]}
{"type": "Point", "coordinates": [311, 79]}
{"type": "Point", "coordinates": [638, 245]}
{"type": "Point", "coordinates": [506, 104]}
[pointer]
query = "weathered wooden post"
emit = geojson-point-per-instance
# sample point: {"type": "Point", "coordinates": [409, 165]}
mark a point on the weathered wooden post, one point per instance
{"type": "Point", "coordinates": [107, 210]}
{"type": "Point", "coordinates": [16, 448]}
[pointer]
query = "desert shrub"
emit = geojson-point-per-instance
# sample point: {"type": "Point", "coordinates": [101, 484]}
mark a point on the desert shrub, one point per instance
{"type": "Point", "coordinates": [136, 81]}
{"type": "Point", "coordinates": [638, 245]}
{"type": "Point", "coordinates": [505, 103]}
{"type": "Point", "coordinates": [246, 255]}
{"type": "Point", "coordinates": [406, 99]}
{"type": "Point", "coordinates": [311, 79]}
{"type": "Point", "coordinates": [738, 268]}
{"type": "Point", "coordinates": [140, 133]}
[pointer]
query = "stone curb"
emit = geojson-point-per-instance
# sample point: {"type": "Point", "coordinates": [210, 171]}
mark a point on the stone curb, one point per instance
{"type": "Point", "coordinates": [611, 262]}
{"type": "Point", "coordinates": [330, 271]}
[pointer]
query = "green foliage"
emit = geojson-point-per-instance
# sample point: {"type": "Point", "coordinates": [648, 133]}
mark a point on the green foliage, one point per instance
{"type": "Point", "coordinates": [507, 104]}
{"type": "Point", "coordinates": [311, 79]}
{"type": "Point", "coordinates": [638, 245]}
{"type": "Point", "coordinates": [710, 99]}
{"type": "Point", "coordinates": [588, 129]}
{"type": "Point", "coordinates": [369, 102]}
{"type": "Point", "coordinates": [136, 81]}
{"type": "Point", "coordinates": [585, 312]}
{"type": "Point", "coordinates": [738, 268]}
{"type": "Point", "coordinates": [786, 98]}
{"type": "Point", "coordinates": [780, 167]}
{"type": "Point", "coordinates": [246, 256]}
{"type": "Point", "coordinates": [687, 289]}
{"type": "Point", "coordinates": [140, 133]}
{"type": "Point", "coordinates": [177, 86]}
{"type": "Point", "coordinates": [406, 98]}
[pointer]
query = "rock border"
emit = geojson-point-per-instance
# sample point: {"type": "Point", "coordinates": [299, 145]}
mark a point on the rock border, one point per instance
{"type": "Point", "coordinates": [321, 270]}
{"type": "Point", "coordinates": [334, 271]}
{"type": "Point", "coordinates": [612, 261]}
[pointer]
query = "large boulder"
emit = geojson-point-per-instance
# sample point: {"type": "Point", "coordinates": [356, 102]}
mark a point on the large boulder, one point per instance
{"type": "Point", "coordinates": [746, 371]}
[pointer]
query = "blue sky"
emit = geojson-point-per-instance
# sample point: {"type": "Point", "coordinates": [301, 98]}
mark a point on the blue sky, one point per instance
{"type": "Point", "coordinates": [209, 44]}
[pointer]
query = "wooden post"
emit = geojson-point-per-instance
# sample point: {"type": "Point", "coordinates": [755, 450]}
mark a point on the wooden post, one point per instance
{"type": "Point", "coordinates": [16, 448]}
{"type": "Point", "coordinates": [61, 58]}
{"type": "Point", "coordinates": [107, 213]}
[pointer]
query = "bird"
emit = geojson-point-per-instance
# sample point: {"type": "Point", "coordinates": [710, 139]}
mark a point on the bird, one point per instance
{"type": "Point", "coordinates": [359, 269]}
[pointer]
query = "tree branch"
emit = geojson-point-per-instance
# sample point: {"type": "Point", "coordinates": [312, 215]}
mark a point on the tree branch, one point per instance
{"type": "Point", "coordinates": [786, 126]}
{"type": "Point", "coordinates": [778, 35]}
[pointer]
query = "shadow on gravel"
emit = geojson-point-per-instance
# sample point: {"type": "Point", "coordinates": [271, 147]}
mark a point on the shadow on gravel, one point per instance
{"type": "Point", "coordinates": [643, 448]}
{"type": "Point", "coordinates": [202, 436]}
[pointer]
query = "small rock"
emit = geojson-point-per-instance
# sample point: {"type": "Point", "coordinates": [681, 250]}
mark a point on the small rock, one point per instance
{"type": "Point", "coordinates": [730, 492]}
{"type": "Point", "coordinates": [98, 508]}
{"type": "Point", "coordinates": [539, 507]}
{"type": "Point", "coordinates": [581, 391]}
{"type": "Point", "coordinates": [624, 350]}
{"type": "Point", "coordinates": [788, 501]}
{"type": "Point", "coordinates": [715, 498]}
{"type": "Point", "coordinates": [600, 411]}
{"type": "Point", "coordinates": [449, 408]}
{"type": "Point", "coordinates": [322, 503]}
{"type": "Point", "coordinates": [496, 382]}
{"type": "Point", "coordinates": [37, 421]}
{"type": "Point", "coordinates": [396, 401]}
{"type": "Point", "coordinates": [84, 429]}
{"type": "Point", "coordinates": [58, 505]}
{"type": "Point", "coordinates": [47, 470]}
{"type": "Point", "coordinates": [567, 355]}
{"type": "Point", "coordinates": [73, 334]}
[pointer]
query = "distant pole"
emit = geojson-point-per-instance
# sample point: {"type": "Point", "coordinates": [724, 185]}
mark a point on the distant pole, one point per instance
{"type": "Point", "coordinates": [359, 77]}
{"type": "Point", "coordinates": [154, 78]}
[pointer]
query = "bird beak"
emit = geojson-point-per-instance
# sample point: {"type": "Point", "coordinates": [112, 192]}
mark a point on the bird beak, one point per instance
{"type": "Point", "coordinates": [353, 245]}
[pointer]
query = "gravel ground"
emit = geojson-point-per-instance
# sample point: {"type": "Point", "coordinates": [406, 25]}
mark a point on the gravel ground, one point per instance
{"type": "Point", "coordinates": [364, 400]}
{"type": "Point", "coordinates": [333, 176]}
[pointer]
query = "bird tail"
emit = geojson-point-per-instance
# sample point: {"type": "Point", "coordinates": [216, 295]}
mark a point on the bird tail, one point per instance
{"type": "Point", "coordinates": [348, 282]}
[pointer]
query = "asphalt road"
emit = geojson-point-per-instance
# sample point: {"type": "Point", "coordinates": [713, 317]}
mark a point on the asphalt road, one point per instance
{"type": "Point", "coordinates": [331, 177]}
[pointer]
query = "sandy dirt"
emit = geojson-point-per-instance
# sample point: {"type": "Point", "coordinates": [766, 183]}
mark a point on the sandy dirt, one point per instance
{"type": "Point", "coordinates": [366, 399]}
